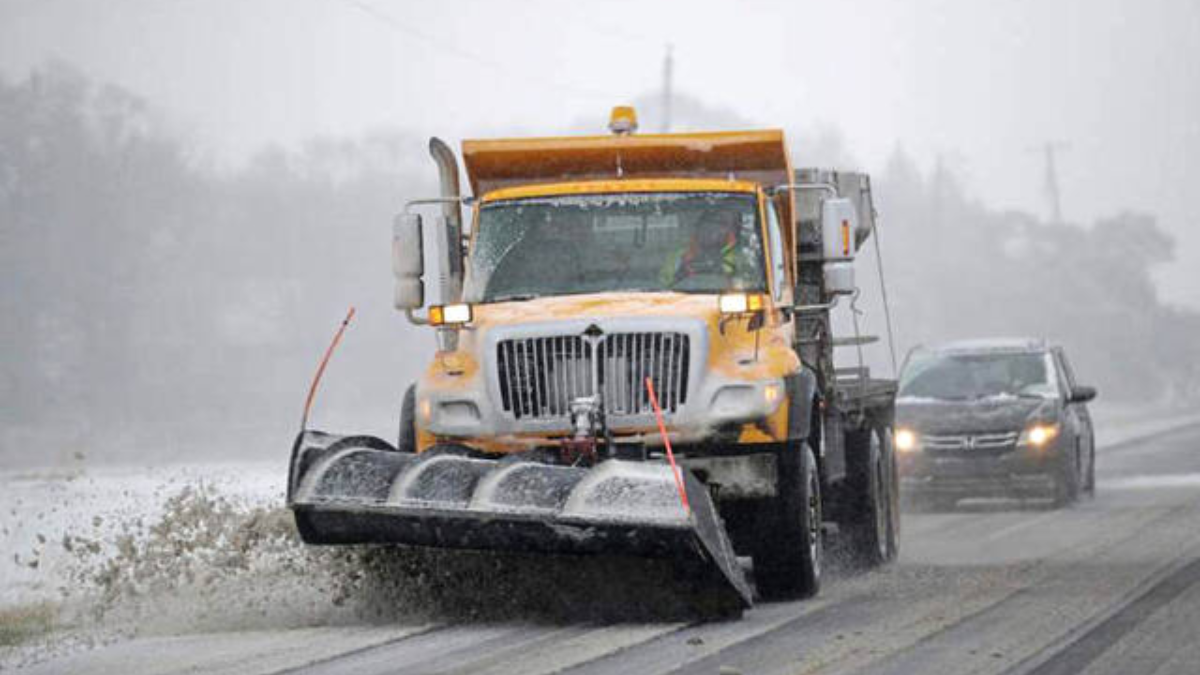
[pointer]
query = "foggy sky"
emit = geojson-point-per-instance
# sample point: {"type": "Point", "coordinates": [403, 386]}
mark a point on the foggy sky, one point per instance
{"type": "Point", "coordinates": [978, 84]}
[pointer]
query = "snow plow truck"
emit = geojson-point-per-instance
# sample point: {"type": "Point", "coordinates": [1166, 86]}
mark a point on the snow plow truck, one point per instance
{"type": "Point", "coordinates": [635, 356]}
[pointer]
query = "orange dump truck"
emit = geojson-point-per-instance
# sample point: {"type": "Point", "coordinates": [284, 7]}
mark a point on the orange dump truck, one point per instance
{"type": "Point", "coordinates": [635, 356]}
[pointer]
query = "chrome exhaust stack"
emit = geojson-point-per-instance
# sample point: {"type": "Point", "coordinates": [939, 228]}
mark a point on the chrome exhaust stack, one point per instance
{"type": "Point", "coordinates": [451, 241]}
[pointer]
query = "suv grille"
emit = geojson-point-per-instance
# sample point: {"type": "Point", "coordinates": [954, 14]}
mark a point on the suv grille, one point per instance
{"type": "Point", "coordinates": [992, 443]}
{"type": "Point", "coordinates": [539, 377]}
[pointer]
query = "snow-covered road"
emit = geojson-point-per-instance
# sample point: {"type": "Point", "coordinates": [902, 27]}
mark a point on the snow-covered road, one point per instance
{"type": "Point", "coordinates": [196, 570]}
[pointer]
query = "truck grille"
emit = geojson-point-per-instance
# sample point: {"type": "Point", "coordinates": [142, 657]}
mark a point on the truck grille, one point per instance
{"type": "Point", "coordinates": [539, 377]}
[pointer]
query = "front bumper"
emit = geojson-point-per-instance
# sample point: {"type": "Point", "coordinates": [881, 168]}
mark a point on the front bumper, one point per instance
{"type": "Point", "coordinates": [719, 401]}
{"type": "Point", "coordinates": [1020, 472]}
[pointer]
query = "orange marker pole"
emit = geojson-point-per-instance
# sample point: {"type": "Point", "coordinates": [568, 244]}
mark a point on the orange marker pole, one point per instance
{"type": "Point", "coordinates": [662, 430]}
{"type": "Point", "coordinates": [312, 389]}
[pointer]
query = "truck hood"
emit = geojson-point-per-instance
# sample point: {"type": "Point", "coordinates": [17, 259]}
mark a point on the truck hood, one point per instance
{"type": "Point", "coordinates": [990, 415]}
{"type": "Point", "coordinates": [597, 305]}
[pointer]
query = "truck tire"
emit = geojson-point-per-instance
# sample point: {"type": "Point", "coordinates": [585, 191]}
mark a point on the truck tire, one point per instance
{"type": "Point", "coordinates": [787, 559]}
{"type": "Point", "coordinates": [406, 440]}
{"type": "Point", "coordinates": [873, 502]}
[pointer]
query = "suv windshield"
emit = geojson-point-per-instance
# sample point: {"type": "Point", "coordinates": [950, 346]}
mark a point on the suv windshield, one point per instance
{"type": "Point", "coordinates": [962, 376]}
{"type": "Point", "coordinates": [690, 242]}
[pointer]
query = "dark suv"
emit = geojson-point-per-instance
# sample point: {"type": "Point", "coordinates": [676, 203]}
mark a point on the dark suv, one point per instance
{"type": "Point", "coordinates": [993, 418]}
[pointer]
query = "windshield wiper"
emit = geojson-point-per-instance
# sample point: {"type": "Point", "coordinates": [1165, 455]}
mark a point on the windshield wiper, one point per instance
{"type": "Point", "coordinates": [1004, 394]}
{"type": "Point", "coordinates": [514, 297]}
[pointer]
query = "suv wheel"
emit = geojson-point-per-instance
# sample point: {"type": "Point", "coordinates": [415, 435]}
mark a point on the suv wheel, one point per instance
{"type": "Point", "coordinates": [1066, 479]}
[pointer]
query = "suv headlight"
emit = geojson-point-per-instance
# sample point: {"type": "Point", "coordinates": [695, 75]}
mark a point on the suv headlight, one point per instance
{"type": "Point", "coordinates": [1039, 435]}
{"type": "Point", "coordinates": [906, 440]}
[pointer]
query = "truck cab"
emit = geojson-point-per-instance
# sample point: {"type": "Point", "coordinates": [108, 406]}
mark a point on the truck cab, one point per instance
{"type": "Point", "coordinates": [593, 264]}
{"type": "Point", "coordinates": [582, 290]}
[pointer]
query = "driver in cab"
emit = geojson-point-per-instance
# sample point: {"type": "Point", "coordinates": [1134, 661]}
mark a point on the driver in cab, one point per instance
{"type": "Point", "coordinates": [711, 249]}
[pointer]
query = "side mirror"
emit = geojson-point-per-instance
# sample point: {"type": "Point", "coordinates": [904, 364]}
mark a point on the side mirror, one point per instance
{"type": "Point", "coordinates": [839, 278]}
{"type": "Point", "coordinates": [839, 227]}
{"type": "Point", "coordinates": [1081, 394]}
{"type": "Point", "coordinates": [408, 261]}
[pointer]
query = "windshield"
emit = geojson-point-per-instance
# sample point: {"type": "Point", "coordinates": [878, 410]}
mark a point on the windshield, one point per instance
{"type": "Point", "coordinates": [691, 242]}
{"type": "Point", "coordinates": [980, 375]}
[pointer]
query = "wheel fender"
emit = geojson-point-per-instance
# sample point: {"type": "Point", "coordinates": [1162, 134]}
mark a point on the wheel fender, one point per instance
{"type": "Point", "coordinates": [406, 438]}
{"type": "Point", "coordinates": [803, 398]}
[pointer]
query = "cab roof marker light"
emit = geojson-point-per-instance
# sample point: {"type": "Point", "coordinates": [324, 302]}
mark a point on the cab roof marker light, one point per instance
{"type": "Point", "coordinates": [623, 120]}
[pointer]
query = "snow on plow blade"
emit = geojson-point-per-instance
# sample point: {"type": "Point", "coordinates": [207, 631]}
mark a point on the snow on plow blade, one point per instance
{"type": "Point", "coordinates": [360, 490]}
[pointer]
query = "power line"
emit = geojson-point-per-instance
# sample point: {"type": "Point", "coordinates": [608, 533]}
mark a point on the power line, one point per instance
{"type": "Point", "coordinates": [449, 47]}
{"type": "Point", "coordinates": [667, 96]}
{"type": "Point", "coordinates": [620, 33]}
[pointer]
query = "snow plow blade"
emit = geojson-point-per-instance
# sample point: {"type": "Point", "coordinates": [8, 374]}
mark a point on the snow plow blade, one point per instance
{"type": "Point", "coordinates": [361, 490]}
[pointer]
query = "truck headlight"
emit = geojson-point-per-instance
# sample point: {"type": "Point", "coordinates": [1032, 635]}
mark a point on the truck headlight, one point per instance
{"type": "Point", "coordinates": [747, 400]}
{"type": "Point", "coordinates": [1038, 435]}
{"type": "Point", "coordinates": [905, 440]}
{"type": "Point", "coordinates": [739, 303]}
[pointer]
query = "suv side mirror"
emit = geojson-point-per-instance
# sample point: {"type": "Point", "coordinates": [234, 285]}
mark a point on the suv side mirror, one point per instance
{"type": "Point", "coordinates": [408, 261]}
{"type": "Point", "coordinates": [1081, 394]}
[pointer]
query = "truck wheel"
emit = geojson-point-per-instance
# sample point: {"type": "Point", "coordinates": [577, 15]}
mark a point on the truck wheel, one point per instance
{"type": "Point", "coordinates": [407, 438]}
{"type": "Point", "coordinates": [873, 526]}
{"type": "Point", "coordinates": [1066, 479]}
{"type": "Point", "coordinates": [787, 562]}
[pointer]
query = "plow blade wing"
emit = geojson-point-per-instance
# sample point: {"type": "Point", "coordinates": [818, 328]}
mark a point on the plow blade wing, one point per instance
{"type": "Point", "coordinates": [360, 490]}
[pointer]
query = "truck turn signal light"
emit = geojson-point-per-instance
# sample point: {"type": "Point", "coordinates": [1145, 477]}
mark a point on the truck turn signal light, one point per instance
{"type": "Point", "coordinates": [449, 315]}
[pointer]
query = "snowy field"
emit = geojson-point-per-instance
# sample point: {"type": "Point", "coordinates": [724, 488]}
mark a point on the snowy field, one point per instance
{"type": "Point", "coordinates": [101, 555]}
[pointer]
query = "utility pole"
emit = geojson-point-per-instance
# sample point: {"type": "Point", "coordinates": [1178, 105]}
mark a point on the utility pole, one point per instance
{"type": "Point", "coordinates": [668, 66]}
{"type": "Point", "coordinates": [939, 194]}
{"type": "Point", "coordinates": [1053, 193]}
